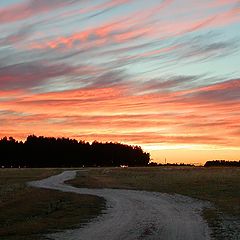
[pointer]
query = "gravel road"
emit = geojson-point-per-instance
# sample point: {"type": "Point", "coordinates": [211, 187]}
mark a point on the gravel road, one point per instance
{"type": "Point", "coordinates": [134, 215]}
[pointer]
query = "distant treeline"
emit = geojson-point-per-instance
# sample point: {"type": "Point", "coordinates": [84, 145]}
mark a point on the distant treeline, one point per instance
{"type": "Point", "coordinates": [64, 152]}
{"type": "Point", "coordinates": [222, 163]}
{"type": "Point", "coordinates": [154, 164]}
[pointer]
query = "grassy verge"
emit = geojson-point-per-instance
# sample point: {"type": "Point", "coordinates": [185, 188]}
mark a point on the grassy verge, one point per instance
{"type": "Point", "coordinates": [28, 213]}
{"type": "Point", "coordinates": [220, 186]}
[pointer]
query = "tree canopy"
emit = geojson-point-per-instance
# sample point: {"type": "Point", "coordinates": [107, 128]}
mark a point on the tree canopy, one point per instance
{"type": "Point", "coordinates": [65, 152]}
{"type": "Point", "coordinates": [222, 163]}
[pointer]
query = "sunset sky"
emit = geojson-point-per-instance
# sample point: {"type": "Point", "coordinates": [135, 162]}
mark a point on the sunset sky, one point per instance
{"type": "Point", "coordinates": [162, 74]}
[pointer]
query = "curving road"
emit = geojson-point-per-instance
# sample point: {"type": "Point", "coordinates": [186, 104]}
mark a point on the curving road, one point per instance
{"type": "Point", "coordinates": [134, 215]}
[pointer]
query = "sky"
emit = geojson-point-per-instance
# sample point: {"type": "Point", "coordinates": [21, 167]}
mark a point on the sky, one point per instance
{"type": "Point", "coordinates": [162, 74]}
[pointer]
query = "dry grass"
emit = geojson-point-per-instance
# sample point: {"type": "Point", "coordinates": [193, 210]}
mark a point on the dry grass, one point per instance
{"type": "Point", "coordinates": [28, 213]}
{"type": "Point", "coordinates": [220, 186]}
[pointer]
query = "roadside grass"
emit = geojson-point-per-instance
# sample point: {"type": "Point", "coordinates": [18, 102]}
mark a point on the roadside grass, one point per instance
{"type": "Point", "coordinates": [220, 186]}
{"type": "Point", "coordinates": [217, 185]}
{"type": "Point", "coordinates": [27, 213]}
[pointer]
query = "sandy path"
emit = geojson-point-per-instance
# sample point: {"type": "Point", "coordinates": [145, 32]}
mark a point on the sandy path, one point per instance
{"type": "Point", "coordinates": [133, 215]}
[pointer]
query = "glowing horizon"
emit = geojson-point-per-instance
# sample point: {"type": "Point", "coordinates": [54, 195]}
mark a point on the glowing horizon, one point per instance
{"type": "Point", "coordinates": [163, 75]}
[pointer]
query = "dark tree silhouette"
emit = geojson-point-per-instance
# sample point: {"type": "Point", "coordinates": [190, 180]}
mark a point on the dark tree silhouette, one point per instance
{"type": "Point", "coordinates": [64, 152]}
{"type": "Point", "coordinates": [222, 163]}
{"type": "Point", "coordinates": [154, 164]}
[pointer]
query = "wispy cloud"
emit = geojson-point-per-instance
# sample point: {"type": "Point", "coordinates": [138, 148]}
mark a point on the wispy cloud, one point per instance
{"type": "Point", "coordinates": [31, 8]}
{"type": "Point", "coordinates": [157, 72]}
{"type": "Point", "coordinates": [28, 75]}
{"type": "Point", "coordinates": [154, 116]}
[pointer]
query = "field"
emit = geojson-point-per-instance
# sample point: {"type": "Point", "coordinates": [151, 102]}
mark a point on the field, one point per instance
{"type": "Point", "coordinates": [220, 186]}
{"type": "Point", "coordinates": [27, 213]}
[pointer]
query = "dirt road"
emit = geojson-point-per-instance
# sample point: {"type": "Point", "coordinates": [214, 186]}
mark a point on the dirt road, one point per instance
{"type": "Point", "coordinates": [134, 215]}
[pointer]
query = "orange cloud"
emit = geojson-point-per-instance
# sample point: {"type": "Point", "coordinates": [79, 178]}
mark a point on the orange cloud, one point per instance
{"type": "Point", "coordinates": [115, 114]}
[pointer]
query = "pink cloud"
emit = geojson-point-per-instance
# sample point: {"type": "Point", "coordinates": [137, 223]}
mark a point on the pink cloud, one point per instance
{"type": "Point", "coordinates": [171, 118]}
{"type": "Point", "coordinates": [30, 8]}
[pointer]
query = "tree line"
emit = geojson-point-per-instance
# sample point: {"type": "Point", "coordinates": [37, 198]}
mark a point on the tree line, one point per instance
{"type": "Point", "coordinates": [222, 163]}
{"type": "Point", "coordinates": [154, 164]}
{"type": "Point", "coordinates": [65, 152]}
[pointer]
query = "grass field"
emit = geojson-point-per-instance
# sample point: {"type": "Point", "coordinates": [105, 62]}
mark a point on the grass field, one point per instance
{"type": "Point", "coordinates": [27, 213]}
{"type": "Point", "coordinates": [220, 186]}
